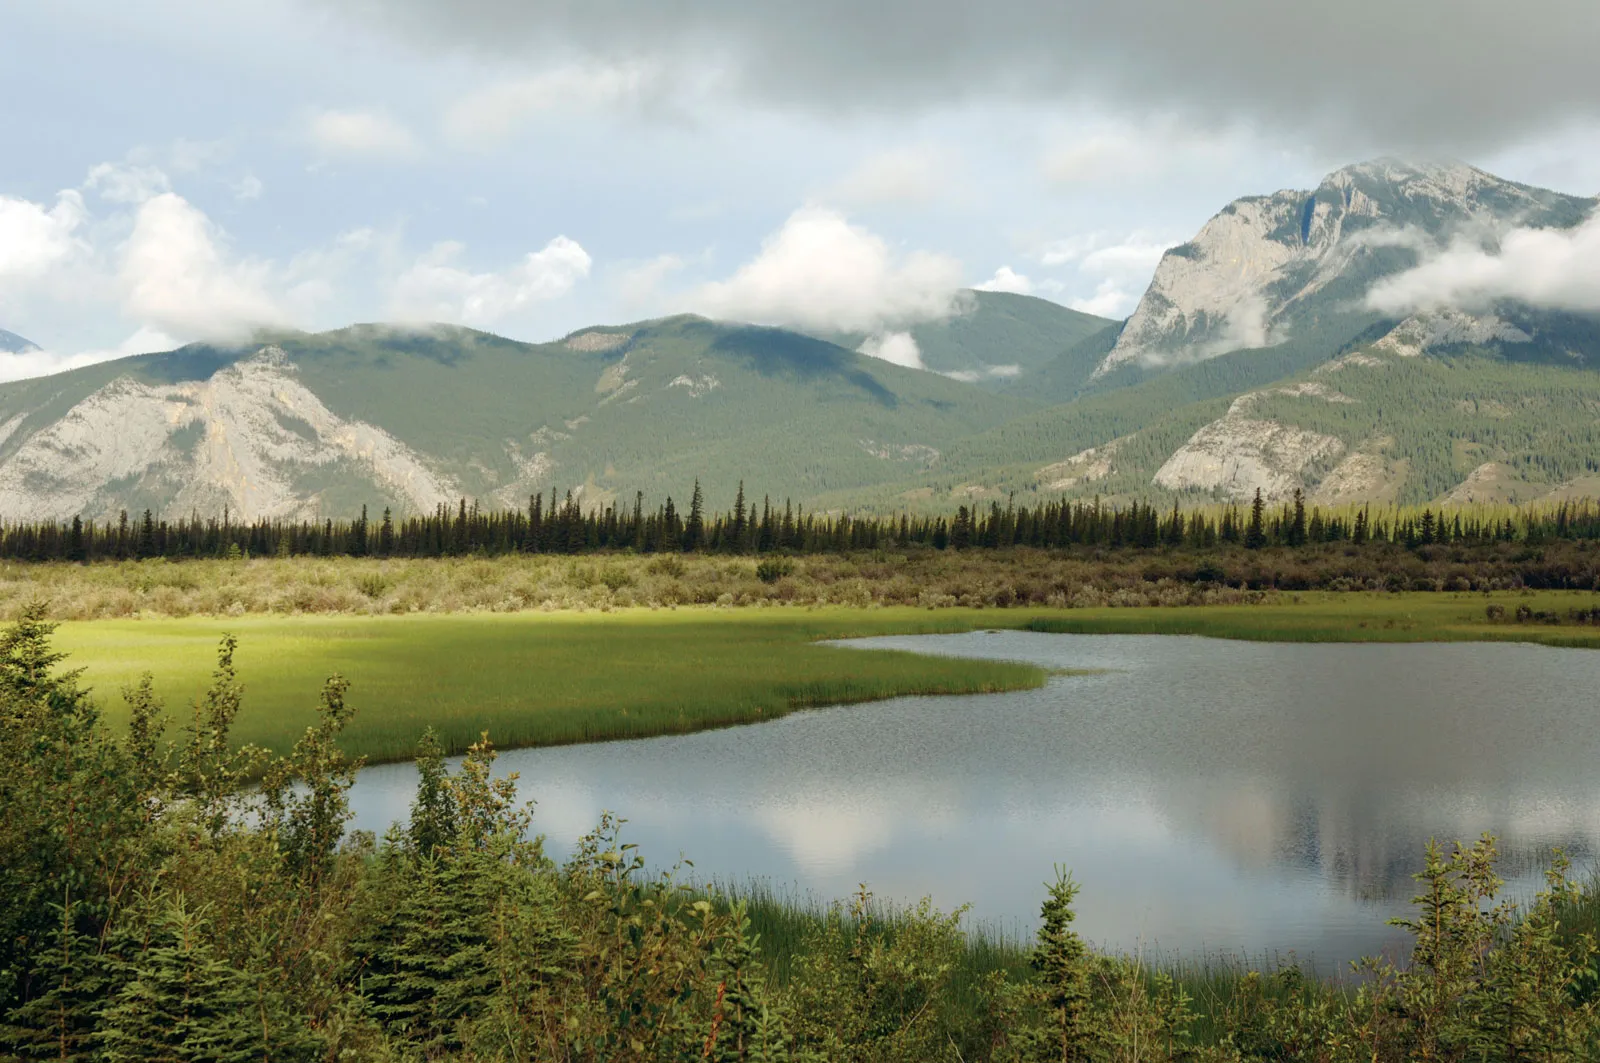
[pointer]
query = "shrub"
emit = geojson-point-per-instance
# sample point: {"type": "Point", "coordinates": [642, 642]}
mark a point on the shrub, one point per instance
{"type": "Point", "coordinates": [773, 569]}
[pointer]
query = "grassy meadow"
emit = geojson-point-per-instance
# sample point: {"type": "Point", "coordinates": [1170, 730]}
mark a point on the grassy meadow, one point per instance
{"type": "Point", "coordinates": [530, 678]}
{"type": "Point", "coordinates": [550, 677]}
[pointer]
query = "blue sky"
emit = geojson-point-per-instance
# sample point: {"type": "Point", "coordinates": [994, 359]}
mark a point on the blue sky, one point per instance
{"type": "Point", "coordinates": [177, 170]}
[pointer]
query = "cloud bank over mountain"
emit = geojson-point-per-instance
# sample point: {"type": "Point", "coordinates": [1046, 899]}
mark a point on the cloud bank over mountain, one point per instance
{"type": "Point", "coordinates": [1453, 74]}
{"type": "Point", "coordinates": [1553, 269]}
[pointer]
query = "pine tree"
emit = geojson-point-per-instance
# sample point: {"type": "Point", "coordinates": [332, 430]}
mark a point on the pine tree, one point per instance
{"type": "Point", "coordinates": [1297, 523]}
{"type": "Point", "coordinates": [1255, 533]}
{"type": "Point", "coordinates": [694, 532]}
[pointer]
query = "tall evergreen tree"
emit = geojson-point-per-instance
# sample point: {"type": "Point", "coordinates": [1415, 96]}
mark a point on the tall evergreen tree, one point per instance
{"type": "Point", "coordinates": [694, 530]}
{"type": "Point", "coordinates": [1255, 533]}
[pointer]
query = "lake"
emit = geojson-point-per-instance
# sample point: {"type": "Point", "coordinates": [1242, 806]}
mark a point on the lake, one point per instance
{"type": "Point", "coordinates": [1210, 796]}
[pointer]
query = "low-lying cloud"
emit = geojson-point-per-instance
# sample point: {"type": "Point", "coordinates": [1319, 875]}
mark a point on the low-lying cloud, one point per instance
{"type": "Point", "coordinates": [437, 288]}
{"type": "Point", "coordinates": [821, 272]}
{"type": "Point", "coordinates": [898, 348]}
{"type": "Point", "coordinates": [1553, 269]}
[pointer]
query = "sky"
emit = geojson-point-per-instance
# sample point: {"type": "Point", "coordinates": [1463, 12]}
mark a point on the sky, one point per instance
{"type": "Point", "coordinates": [180, 170]}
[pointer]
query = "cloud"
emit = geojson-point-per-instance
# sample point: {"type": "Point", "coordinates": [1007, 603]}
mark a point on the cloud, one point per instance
{"type": "Point", "coordinates": [898, 348]}
{"type": "Point", "coordinates": [35, 239]}
{"type": "Point", "coordinates": [905, 176]}
{"type": "Point", "coordinates": [988, 372]}
{"type": "Point", "coordinates": [175, 277]}
{"type": "Point", "coordinates": [495, 113]}
{"type": "Point", "coordinates": [1110, 299]}
{"type": "Point", "coordinates": [640, 286]}
{"type": "Point", "coordinates": [1422, 62]}
{"type": "Point", "coordinates": [247, 188]}
{"type": "Point", "coordinates": [820, 272]}
{"type": "Point", "coordinates": [1006, 279]}
{"type": "Point", "coordinates": [122, 182]}
{"type": "Point", "coordinates": [437, 289]}
{"type": "Point", "coordinates": [373, 134]}
{"type": "Point", "coordinates": [1119, 268]}
{"type": "Point", "coordinates": [1554, 269]}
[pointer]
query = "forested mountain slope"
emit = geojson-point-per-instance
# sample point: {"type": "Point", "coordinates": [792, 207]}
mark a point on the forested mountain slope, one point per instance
{"type": "Point", "coordinates": [303, 425]}
{"type": "Point", "coordinates": [997, 340]}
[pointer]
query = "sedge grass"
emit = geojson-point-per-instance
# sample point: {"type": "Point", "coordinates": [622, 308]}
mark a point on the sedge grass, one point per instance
{"type": "Point", "coordinates": [530, 678]}
{"type": "Point", "coordinates": [538, 678]}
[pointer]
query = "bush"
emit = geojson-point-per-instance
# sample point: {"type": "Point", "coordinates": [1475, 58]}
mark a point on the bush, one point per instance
{"type": "Point", "coordinates": [773, 569]}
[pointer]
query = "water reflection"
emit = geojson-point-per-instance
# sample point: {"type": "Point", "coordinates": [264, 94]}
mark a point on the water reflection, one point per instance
{"type": "Point", "coordinates": [1209, 795]}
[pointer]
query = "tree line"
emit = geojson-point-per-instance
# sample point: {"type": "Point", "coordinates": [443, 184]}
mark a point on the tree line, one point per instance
{"type": "Point", "coordinates": [564, 526]}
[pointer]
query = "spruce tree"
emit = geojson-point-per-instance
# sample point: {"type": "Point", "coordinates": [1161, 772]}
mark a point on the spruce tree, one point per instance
{"type": "Point", "coordinates": [694, 532]}
{"type": "Point", "coordinates": [68, 987]}
{"type": "Point", "coordinates": [184, 1003]}
{"type": "Point", "coordinates": [1297, 523]}
{"type": "Point", "coordinates": [1255, 533]}
{"type": "Point", "coordinates": [1061, 960]}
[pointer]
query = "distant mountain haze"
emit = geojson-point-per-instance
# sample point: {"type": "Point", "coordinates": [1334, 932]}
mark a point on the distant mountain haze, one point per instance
{"type": "Point", "coordinates": [1402, 333]}
{"type": "Point", "coordinates": [11, 343]}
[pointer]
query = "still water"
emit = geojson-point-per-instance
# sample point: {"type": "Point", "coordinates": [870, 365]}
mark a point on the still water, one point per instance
{"type": "Point", "coordinates": [1210, 796]}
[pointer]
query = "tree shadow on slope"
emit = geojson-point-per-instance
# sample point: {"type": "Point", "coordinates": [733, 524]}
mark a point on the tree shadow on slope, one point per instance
{"type": "Point", "coordinates": [772, 352]}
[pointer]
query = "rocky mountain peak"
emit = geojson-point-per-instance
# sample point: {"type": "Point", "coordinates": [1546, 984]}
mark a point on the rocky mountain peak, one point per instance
{"type": "Point", "coordinates": [1267, 267]}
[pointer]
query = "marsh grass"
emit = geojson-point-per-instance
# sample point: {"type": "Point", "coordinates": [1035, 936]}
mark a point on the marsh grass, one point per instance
{"type": "Point", "coordinates": [547, 678]}
{"type": "Point", "coordinates": [531, 678]}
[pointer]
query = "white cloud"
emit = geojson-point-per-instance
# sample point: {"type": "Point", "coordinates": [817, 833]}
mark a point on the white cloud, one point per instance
{"type": "Point", "coordinates": [360, 133]}
{"type": "Point", "coordinates": [436, 289]}
{"type": "Point", "coordinates": [911, 175]}
{"type": "Point", "coordinates": [1006, 279]}
{"type": "Point", "coordinates": [495, 113]}
{"type": "Point", "coordinates": [174, 276]}
{"type": "Point", "coordinates": [44, 362]}
{"type": "Point", "coordinates": [1109, 300]}
{"type": "Point", "coordinates": [247, 188]}
{"type": "Point", "coordinates": [1557, 269]}
{"type": "Point", "coordinates": [122, 182]}
{"type": "Point", "coordinates": [818, 271]}
{"type": "Point", "coordinates": [988, 372]}
{"type": "Point", "coordinates": [35, 239]}
{"type": "Point", "coordinates": [1119, 268]}
{"type": "Point", "coordinates": [900, 348]}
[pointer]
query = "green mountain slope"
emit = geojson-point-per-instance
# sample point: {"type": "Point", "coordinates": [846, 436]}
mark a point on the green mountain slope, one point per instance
{"type": "Point", "coordinates": [1464, 423]}
{"type": "Point", "coordinates": [1000, 342]}
{"type": "Point", "coordinates": [309, 424]}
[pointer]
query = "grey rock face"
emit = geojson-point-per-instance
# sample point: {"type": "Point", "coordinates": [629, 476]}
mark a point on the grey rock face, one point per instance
{"type": "Point", "coordinates": [1271, 268]}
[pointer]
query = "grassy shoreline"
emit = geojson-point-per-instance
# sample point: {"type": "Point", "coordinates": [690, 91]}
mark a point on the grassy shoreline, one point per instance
{"type": "Point", "coordinates": [548, 678]}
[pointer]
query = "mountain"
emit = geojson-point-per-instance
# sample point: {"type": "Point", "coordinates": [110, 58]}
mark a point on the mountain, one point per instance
{"type": "Point", "coordinates": [1255, 361]}
{"type": "Point", "coordinates": [1295, 267]}
{"type": "Point", "coordinates": [11, 343]}
{"type": "Point", "coordinates": [302, 425]}
{"type": "Point", "coordinates": [998, 340]}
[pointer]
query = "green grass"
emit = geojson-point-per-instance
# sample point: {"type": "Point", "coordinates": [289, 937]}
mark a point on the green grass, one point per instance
{"type": "Point", "coordinates": [553, 678]}
{"type": "Point", "coordinates": [532, 678]}
{"type": "Point", "coordinates": [1344, 617]}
